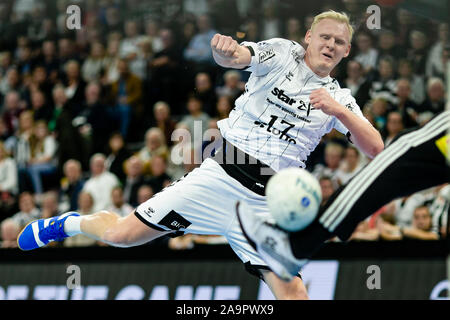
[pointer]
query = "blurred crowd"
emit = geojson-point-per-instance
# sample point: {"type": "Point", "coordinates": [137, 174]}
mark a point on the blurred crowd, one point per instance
{"type": "Point", "coordinates": [96, 118]}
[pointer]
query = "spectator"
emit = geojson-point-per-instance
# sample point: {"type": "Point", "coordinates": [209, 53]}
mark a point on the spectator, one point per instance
{"type": "Point", "coordinates": [126, 92]}
{"type": "Point", "coordinates": [100, 183]}
{"type": "Point", "coordinates": [144, 193]}
{"type": "Point", "coordinates": [155, 144]}
{"type": "Point", "coordinates": [233, 86]}
{"type": "Point", "coordinates": [28, 210]}
{"type": "Point", "coordinates": [113, 21]}
{"type": "Point", "coordinates": [405, 22]}
{"type": "Point", "coordinates": [85, 206]}
{"type": "Point", "coordinates": [435, 66]}
{"type": "Point", "coordinates": [421, 227]}
{"type": "Point", "coordinates": [94, 120]}
{"type": "Point", "coordinates": [394, 125]}
{"type": "Point", "coordinates": [435, 98]}
{"type": "Point", "coordinates": [9, 231]}
{"type": "Point", "coordinates": [112, 59]}
{"type": "Point", "coordinates": [19, 146]}
{"type": "Point", "coordinates": [405, 105]}
{"type": "Point", "coordinates": [95, 63]}
{"type": "Point", "coordinates": [71, 185]}
{"type": "Point", "coordinates": [135, 178]}
{"type": "Point", "coordinates": [294, 31]}
{"type": "Point", "coordinates": [350, 164]}
{"type": "Point", "coordinates": [43, 156]}
{"type": "Point", "coordinates": [42, 110]}
{"type": "Point", "coordinates": [130, 49]}
{"type": "Point", "coordinates": [417, 54]}
{"type": "Point", "coordinates": [152, 31]}
{"type": "Point", "coordinates": [115, 162]}
{"type": "Point", "coordinates": [357, 82]}
{"type": "Point", "coordinates": [224, 107]}
{"type": "Point", "coordinates": [11, 82]}
{"type": "Point", "coordinates": [439, 209]}
{"type": "Point", "coordinates": [334, 153]}
{"type": "Point", "coordinates": [128, 45]}
{"type": "Point", "coordinates": [162, 119]}
{"type": "Point", "coordinates": [49, 207]}
{"type": "Point", "coordinates": [271, 28]}
{"type": "Point", "coordinates": [49, 60]}
{"type": "Point", "coordinates": [367, 55]}
{"type": "Point", "coordinates": [199, 49]}
{"type": "Point", "coordinates": [405, 71]}
{"type": "Point", "coordinates": [384, 84]}
{"type": "Point", "coordinates": [68, 137]}
{"type": "Point", "coordinates": [119, 205]}
{"type": "Point", "coordinates": [189, 29]}
{"type": "Point", "coordinates": [196, 118]}
{"type": "Point", "coordinates": [379, 107]}
{"type": "Point", "coordinates": [164, 70]}
{"type": "Point", "coordinates": [327, 188]}
{"type": "Point", "coordinates": [159, 178]}
{"type": "Point", "coordinates": [388, 47]}
{"type": "Point", "coordinates": [12, 111]}
{"type": "Point", "coordinates": [8, 182]}
{"type": "Point", "coordinates": [39, 81]}
{"type": "Point", "coordinates": [205, 92]}
{"type": "Point", "coordinates": [66, 53]}
{"type": "Point", "coordinates": [74, 84]}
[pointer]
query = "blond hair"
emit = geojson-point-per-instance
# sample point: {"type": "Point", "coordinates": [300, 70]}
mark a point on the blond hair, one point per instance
{"type": "Point", "coordinates": [339, 17]}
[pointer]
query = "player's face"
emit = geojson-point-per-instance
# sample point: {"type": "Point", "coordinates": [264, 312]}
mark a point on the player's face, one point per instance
{"type": "Point", "coordinates": [328, 43]}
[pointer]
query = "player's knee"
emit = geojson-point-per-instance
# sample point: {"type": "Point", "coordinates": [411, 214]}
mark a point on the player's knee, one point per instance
{"type": "Point", "coordinates": [117, 234]}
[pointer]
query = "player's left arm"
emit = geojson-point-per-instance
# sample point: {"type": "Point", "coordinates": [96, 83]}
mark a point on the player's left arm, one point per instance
{"type": "Point", "coordinates": [363, 134]}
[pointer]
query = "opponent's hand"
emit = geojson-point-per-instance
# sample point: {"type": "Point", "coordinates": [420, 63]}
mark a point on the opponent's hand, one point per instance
{"type": "Point", "coordinates": [322, 100]}
{"type": "Point", "coordinates": [224, 46]}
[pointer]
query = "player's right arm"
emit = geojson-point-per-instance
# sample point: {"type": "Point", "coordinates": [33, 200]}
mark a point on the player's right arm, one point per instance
{"type": "Point", "coordinates": [228, 53]}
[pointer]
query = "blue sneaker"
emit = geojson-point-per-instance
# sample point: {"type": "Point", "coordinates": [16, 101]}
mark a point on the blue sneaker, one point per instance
{"type": "Point", "coordinates": [40, 232]}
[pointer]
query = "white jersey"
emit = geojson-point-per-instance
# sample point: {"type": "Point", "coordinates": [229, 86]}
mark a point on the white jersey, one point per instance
{"type": "Point", "coordinates": [273, 120]}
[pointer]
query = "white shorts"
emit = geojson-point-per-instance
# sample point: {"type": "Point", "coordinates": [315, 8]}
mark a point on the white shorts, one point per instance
{"type": "Point", "coordinates": [204, 202]}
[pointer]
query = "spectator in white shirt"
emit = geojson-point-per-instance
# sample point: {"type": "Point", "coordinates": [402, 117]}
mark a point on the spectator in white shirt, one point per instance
{"type": "Point", "coordinates": [435, 66]}
{"type": "Point", "coordinates": [101, 183]}
{"type": "Point", "coordinates": [367, 55]}
{"type": "Point", "coordinates": [119, 205]}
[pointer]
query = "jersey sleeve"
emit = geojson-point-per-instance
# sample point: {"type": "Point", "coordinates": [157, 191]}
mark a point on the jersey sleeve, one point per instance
{"type": "Point", "coordinates": [270, 54]}
{"type": "Point", "coordinates": [350, 103]}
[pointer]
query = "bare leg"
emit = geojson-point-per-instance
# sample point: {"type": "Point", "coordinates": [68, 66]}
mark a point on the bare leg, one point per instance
{"type": "Point", "coordinates": [282, 290]}
{"type": "Point", "coordinates": [118, 231]}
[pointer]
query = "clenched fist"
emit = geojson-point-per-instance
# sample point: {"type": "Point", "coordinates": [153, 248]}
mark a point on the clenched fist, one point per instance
{"type": "Point", "coordinates": [224, 46]}
{"type": "Point", "coordinates": [228, 53]}
{"type": "Point", "coordinates": [321, 99]}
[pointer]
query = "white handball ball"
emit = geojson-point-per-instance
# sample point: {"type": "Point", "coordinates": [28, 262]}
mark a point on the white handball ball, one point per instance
{"type": "Point", "coordinates": [293, 196]}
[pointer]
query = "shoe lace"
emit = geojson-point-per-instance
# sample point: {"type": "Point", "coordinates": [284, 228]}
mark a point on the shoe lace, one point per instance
{"type": "Point", "coordinates": [53, 231]}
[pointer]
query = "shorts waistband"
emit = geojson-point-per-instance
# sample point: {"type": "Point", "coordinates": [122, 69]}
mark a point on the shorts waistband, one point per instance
{"type": "Point", "coordinates": [249, 171]}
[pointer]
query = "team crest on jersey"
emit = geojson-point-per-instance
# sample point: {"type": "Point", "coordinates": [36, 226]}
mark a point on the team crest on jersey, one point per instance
{"type": "Point", "coordinates": [266, 55]}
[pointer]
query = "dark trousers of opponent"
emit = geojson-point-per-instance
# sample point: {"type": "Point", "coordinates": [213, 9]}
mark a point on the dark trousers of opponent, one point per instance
{"type": "Point", "coordinates": [411, 163]}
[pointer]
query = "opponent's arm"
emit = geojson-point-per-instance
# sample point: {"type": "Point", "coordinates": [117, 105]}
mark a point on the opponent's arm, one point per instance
{"type": "Point", "coordinates": [228, 53]}
{"type": "Point", "coordinates": [363, 135]}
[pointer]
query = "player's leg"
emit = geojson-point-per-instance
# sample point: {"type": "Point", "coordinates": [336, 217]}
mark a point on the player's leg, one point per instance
{"type": "Point", "coordinates": [118, 231]}
{"type": "Point", "coordinates": [104, 226]}
{"type": "Point", "coordinates": [282, 290]}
